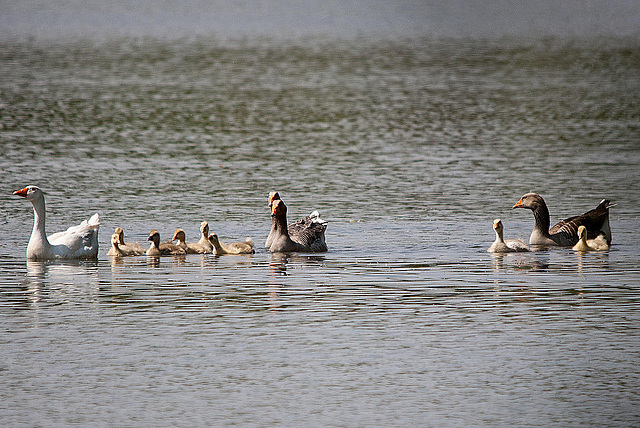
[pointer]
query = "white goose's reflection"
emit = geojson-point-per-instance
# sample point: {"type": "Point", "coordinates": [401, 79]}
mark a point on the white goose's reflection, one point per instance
{"type": "Point", "coordinates": [36, 274]}
{"type": "Point", "coordinates": [46, 279]}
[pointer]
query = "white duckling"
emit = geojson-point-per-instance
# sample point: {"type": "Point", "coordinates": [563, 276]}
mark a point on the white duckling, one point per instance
{"type": "Point", "coordinates": [508, 246]}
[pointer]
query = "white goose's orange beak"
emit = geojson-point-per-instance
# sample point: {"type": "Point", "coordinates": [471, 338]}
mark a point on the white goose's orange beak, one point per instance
{"type": "Point", "coordinates": [21, 192]}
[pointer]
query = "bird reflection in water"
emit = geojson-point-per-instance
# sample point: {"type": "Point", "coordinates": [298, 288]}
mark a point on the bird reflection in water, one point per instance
{"type": "Point", "coordinates": [36, 274]}
{"type": "Point", "coordinates": [43, 277]}
{"type": "Point", "coordinates": [279, 261]}
{"type": "Point", "coordinates": [597, 260]}
{"type": "Point", "coordinates": [521, 261]}
{"type": "Point", "coordinates": [154, 261]}
{"type": "Point", "coordinates": [116, 262]}
{"type": "Point", "coordinates": [278, 268]}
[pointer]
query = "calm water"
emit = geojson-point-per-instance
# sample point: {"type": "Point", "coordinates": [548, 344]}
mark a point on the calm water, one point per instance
{"type": "Point", "coordinates": [409, 148]}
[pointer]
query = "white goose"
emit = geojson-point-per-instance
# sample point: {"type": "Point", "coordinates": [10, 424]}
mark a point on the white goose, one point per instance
{"type": "Point", "coordinates": [77, 242]}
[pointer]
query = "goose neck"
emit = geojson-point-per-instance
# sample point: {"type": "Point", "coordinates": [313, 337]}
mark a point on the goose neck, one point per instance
{"type": "Point", "coordinates": [541, 215]}
{"type": "Point", "coordinates": [39, 217]}
{"type": "Point", "coordinates": [279, 224]}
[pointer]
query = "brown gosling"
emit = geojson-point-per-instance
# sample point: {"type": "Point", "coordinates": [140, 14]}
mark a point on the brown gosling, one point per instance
{"type": "Point", "coordinates": [191, 247]}
{"type": "Point", "coordinates": [164, 249]}
{"type": "Point", "coordinates": [132, 247]}
{"type": "Point", "coordinates": [219, 248]}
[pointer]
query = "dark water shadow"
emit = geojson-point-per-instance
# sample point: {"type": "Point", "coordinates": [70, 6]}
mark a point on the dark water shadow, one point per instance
{"type": "Point", "coordinates": [279, 261]}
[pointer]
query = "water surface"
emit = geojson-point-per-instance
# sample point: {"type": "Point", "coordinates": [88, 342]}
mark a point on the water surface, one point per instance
{"type": "Point", "coordinates": [409, 148]}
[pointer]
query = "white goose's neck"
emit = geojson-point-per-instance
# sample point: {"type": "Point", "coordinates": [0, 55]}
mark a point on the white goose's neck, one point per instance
{"type": "Point", "coordinates": [499, 235]}
{"type": "Point", "coordinates": [38, 243]}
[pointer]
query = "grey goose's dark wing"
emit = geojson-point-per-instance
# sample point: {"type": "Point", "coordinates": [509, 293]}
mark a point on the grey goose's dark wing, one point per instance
{"type": "Point", "coordinates": [308, 233]}
{"type": "Point", "coordinates": [595, 221]}
{"type": "Point", "coordinates": [298, 226]}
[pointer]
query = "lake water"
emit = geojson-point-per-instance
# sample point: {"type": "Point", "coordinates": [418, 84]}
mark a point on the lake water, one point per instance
{"type": "Point", "coordinates": [409, 148]}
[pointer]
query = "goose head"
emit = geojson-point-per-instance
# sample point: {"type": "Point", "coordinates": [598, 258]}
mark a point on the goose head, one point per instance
{"type": "Point", "coordinates": [32, 193]}
{"type": "Point", "coordinates": [499, 229]}
{"type": "Point", "coordinates": [204, 228]}
{"type": "Point", "coordinates": [154, 237]}
{"type": "Point", "coordinates": [530, 201]}
{"type": "Point", "coordinates": [273, 196]}
{"type": "Point", "coordinates": [278, 208]}
{"type": "Point", "coordinates": [115, 240]}
{"type": "Point", "coordinates": [179, 235]}
{"type": "Point", "coordinates": [120, 232]}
